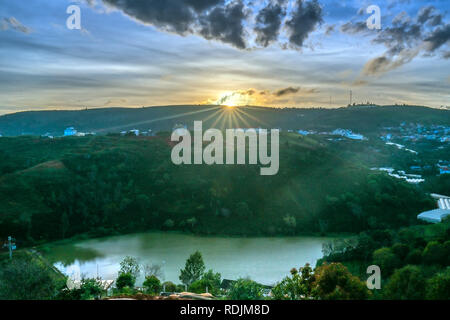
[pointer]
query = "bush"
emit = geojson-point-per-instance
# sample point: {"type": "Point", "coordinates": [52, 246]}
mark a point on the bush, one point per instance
{"type": "Point", "coordinates": [434, 253]}
{"type": "Point", "coordinates": [89, 289]}
{"type": "Point", "coordinates": [246, 289]}
{"type": "Point", "coordinates": [169, 286]}
{"type": "Point", "coordinates": [386, 260]}
{"type": "Point", "coordinates": [125, 280]}
{"type": "Point", "coordinates": [438, 287]}
{"type": "Point", "coordinates": [406, 283]}
{"type": "Point", "coordinates": [25, 278]}
{"type": "Point", "coordinates": [335, 282]}
{"type": "Point", "coordinates": [152, 285]}
{"type": "Point", "coordinates": [296, 287]}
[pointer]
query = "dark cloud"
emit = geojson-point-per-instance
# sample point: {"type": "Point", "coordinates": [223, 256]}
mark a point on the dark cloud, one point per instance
{"type": "Point", "coordinates": [429, 15]}
{"type": "Point", "coordinates": [404, 39]}
{"type": "Point", "coordinates": [13, 23]}
{"type": "Point", "coordinates": [212, 19]}
{"type": "Point", "coordinates": [225, 23]}
{"type": "Point", "coordinates": [354, 28]}
{"type": "Point", "coordinates": [225, 20]}
{"type": "Point", "coordinates": [438, 38]}
{"type": "Point", "coordinates": [269, 21]}
{"type": "Point", "coordinates": [386, 63]}
{"type": "Point", "coordinates": [171, 15]}
{"type": "Point", "coordinates": [285, 91]}
{"type": "Point", "coordinates": [306, 16]}
{"type": "Point", "coordinates": [330, 29]}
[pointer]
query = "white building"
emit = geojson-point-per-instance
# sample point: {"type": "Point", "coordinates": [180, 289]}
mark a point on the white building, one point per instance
{"type": "Point", "coordinates": [437, 215]}
{"type": "Point", "coordinates": [348, 134]}
{"type": "Point", "coordinates": [434, 216]}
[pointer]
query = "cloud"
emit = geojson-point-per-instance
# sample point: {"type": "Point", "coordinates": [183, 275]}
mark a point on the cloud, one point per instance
{"type": "Point", "coordinates": [438, 38]}
{"type": "Point", "coordinates": [176, 16]}
{"type": "Point", "coordinates": [260, 97]}
{"type": "Point", "coordinates": [13, 23]}
{"type": "Point", "coordinates": [330, 29]}
{"type": "Point", "coordinates": [384, 64]}
{"type": "Point", "coordinates": [305, 18]}
{"type": "Point", "coordinates": [404, 39]}
{"type": "Point", "coordinates": [212, 19]}
{"type": "Point", "coordinates": [354, 28]}
{"type": "Point", "coordinates": [286, 91]}
{"type": "Point", "coordinates": [429, 15]}
{"type": "Point", "coordinates": [225, 23]}
{"type": "Point", "coordinates": [269, 21]}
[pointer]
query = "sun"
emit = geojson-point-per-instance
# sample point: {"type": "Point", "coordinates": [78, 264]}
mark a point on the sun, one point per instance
{"type": "Point", "coordinates": [232, 99]}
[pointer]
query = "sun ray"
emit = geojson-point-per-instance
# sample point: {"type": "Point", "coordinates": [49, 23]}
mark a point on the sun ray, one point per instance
{"type": "Point", "coordinates": [209, 109]}
{"type": "Point", "coordinates": [238, 115]}
{"type": "Point", "coordinates": [218, 119]}
{"type": "Point", "coordinates": [252, 117]}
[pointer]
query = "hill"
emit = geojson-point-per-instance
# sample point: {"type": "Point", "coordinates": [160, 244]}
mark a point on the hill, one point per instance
{"type": "Point", "coordinates": [101, 121]}
{"type": "Point", "coordinates": [58, 188]}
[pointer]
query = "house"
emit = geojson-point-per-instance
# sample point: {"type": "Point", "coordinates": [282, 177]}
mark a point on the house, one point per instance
{"type": "Point", "coordinates": [70, 131]}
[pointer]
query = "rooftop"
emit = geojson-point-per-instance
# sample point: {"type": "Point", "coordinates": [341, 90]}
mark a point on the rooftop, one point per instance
{"type": "Point", "coordinates": [434, 216]}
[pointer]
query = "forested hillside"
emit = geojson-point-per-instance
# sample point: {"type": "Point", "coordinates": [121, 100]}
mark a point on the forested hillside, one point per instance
{"type": "Point", "coordinates": [102, 121]}
{"type": "Point", "coordinates": [58, 188]}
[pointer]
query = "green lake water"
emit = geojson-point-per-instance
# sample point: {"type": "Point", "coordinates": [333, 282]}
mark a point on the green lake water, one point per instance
{"type": "Point", "coordinates": [266, 260]}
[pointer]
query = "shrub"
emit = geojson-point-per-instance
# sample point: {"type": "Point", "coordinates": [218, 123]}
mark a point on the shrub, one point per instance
{"type": "Point", "coordinates": [246, 289]}
{"type": "Point", "coordinates": [406, 283]}
{"type": "Point", "coordinates": [125, 280]}
{"type": "Point", "coordinates": [152, 285]}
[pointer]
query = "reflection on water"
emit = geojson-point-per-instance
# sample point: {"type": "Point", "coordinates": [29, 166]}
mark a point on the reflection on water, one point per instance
{"type": "Point", "coordinates": [68, 254]}
{"type": "Point", "coordinates": [266, 260]}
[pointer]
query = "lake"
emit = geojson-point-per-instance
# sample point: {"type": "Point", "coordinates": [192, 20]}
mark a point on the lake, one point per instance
{"type": "Point", "coordinates": [265, 260]}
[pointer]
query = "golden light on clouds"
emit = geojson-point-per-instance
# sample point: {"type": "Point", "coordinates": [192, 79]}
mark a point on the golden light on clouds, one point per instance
{"type": "Point", "coordinates": [261, 97]}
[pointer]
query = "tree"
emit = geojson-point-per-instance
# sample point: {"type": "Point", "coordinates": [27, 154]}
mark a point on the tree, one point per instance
{"type": "Point", "coordinates": [400, 250]}
{"type": "Point", "coordinates": [169, 286]}
{"type": "Point", "coordinates": [193, 269]}
{"type": "Point", "coordinates": [438, 287]}
{"type": "Point", "coordinates": [296, 287]}
{"type": "Point", "coordinates": [335, 282]}
{"type": "Point", "coordinates": [153, 270]}
{"type": "Point", "coordinates": [25, 278]}
{"type": "Point", "coordinates": [152, 284]}
{"type": "Point", "coordinates": [209, 280]}
{"type": "Point", "coordinates": [406, 283]}
{"type": "Point", "coordinates": [290, 223]}
{"type": "Point", "coordinates": [125, 280]}
{"type": "Point", "coordinates": [245, 289]}
{"type": "Point", "coordinates": [434, 253]}
{"type": "Point", "coordinates": [130, 265]}
{"type": "Point", "coordinates": [386, 260]}
{"type": "Point", "coordinates": [89, 289]}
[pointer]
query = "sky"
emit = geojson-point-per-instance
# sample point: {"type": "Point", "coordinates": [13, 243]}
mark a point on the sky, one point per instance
{"type": "Point", "coordinates": [278, 53]}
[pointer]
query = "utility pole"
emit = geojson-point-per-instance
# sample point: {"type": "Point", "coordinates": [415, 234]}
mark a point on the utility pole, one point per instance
{"type": "Point", "coordinates": [11, 246]}
{"type": "Point", "coordinates": [351, 97]}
